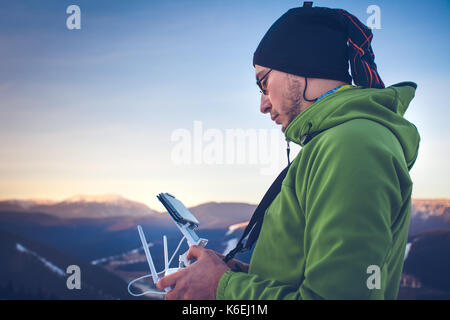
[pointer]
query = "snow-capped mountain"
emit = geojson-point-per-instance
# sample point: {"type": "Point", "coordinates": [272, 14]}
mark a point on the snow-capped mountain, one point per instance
{"type": "Point", "coordinates": [237, 226]}
{"type": "Point", "coordinates": [82, 206]}
{"type": "Point", "coordinates": [429, 214]}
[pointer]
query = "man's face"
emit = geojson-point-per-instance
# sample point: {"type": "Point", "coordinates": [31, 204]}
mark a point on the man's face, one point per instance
{"type": "Point", "coordinates": [283, 100]}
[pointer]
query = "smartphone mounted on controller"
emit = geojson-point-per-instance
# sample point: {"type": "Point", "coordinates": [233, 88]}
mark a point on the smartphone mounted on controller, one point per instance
{"type": "Point", "coordinates": [186, 223]}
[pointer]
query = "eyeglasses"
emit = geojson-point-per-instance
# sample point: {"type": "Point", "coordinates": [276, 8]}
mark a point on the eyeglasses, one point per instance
{"type": "Point", "coordinates": [259, 83]}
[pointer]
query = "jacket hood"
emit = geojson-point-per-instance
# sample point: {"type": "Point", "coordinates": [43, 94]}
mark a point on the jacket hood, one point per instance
{"type": "Point", "coordinates": [385, 106]}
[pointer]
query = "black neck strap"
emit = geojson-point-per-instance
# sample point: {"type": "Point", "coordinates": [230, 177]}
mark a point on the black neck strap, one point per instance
{"type": "Point", "coordinates": [253, 228]}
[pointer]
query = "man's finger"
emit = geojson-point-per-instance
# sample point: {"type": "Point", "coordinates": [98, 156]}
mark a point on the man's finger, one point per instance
{"type": "Point", "coordinates": [168, 281]}
{"type": "Point", "coordinates": [195, 252]}
{"type": "Point", "coordinates": [177, 292]}
{"type": "Point", "coordinates": [172, 295]}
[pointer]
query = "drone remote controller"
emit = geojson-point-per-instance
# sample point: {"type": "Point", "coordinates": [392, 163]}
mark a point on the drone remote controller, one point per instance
{"type": "Point", "coordinates": [186, 222]}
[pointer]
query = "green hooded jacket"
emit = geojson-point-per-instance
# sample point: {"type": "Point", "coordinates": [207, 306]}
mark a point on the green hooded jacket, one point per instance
{"type": "Point", "coordinates": [339, 226]}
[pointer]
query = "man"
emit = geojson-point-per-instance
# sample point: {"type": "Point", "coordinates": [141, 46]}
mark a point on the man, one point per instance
{"type": "Point", "coordinates": [338, 226]}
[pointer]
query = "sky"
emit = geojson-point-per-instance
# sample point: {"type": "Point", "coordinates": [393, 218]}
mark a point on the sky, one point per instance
{"type": "Point", "coordinates": [110, 107]}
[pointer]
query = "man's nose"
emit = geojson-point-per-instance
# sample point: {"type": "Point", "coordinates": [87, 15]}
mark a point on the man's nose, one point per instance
{"type": "Point", "coordinates": [265, 105]}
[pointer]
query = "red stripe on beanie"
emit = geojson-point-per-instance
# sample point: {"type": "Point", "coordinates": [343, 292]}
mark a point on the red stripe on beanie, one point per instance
{"type": "Point", "coordinates": [361, 55]}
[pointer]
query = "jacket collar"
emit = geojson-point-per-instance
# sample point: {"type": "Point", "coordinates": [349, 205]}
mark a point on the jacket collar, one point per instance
{"type": "Point", "coordinates": [305, 125]}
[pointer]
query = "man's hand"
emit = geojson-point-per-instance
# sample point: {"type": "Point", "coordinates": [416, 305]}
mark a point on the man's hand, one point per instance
{"type": "Point", "coordinates": [199, 280]}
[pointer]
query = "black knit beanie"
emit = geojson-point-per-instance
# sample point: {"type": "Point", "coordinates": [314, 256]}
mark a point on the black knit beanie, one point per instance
{"type": "Point", "coordinates": [320, 42]}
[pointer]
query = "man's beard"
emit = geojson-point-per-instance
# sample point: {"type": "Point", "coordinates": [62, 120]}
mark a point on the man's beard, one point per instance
{"type": "Point", "coordinates": [294, 97]}
{"type": "Point", "coordinates": [294, 112]}
{"type": "Point", "coordinates": [297, 103]}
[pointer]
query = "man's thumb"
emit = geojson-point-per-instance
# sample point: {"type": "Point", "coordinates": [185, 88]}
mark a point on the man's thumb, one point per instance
{"type": "Point", "coordinates": [194, 252]}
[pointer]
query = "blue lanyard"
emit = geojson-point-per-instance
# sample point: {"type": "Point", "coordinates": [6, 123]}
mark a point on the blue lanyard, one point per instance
{"type": "Point", "coordinates": [331, 91]}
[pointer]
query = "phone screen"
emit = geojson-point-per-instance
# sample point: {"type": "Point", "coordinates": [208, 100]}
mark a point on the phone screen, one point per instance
{"type": "Point", "coordinates": [178, 209]}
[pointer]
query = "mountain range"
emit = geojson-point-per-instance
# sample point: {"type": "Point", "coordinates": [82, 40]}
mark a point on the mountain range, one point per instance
{"type": "Point", "coordinates": [100, 232]}
{"type": "Point", "coordinates": [81, 206]}
{"type": "Point", "coordinates": [429, 215]}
